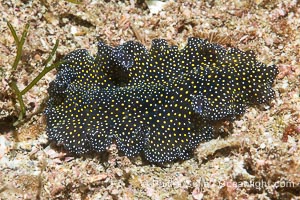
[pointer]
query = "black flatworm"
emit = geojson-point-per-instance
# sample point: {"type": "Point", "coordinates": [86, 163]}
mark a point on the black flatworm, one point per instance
{"type": "Point", "coordinates": [160, 103]}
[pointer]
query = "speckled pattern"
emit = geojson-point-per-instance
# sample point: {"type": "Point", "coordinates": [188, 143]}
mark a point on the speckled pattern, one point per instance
{"type": "Point", "coordinates": [261, 150]}
{"type": "Point", "coordinates": [161, 103]}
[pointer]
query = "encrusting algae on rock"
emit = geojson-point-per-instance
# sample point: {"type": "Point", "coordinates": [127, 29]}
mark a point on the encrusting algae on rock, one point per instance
{"type": "Point", "coordinates": [159, 103]}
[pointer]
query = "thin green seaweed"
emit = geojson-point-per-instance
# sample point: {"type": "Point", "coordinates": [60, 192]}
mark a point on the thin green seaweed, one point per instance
{"type": "Point", "coordinates": [19, 43]}
{"type": "Point", "coordinates": [13, 83]}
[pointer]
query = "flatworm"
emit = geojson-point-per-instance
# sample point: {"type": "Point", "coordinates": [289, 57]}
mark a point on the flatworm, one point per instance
{"type": "Point", "coordinates": [159, 103]}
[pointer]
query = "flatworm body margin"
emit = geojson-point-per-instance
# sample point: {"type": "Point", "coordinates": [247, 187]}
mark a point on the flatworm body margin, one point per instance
{"type": "Point", "coordinates": [160, 103]}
